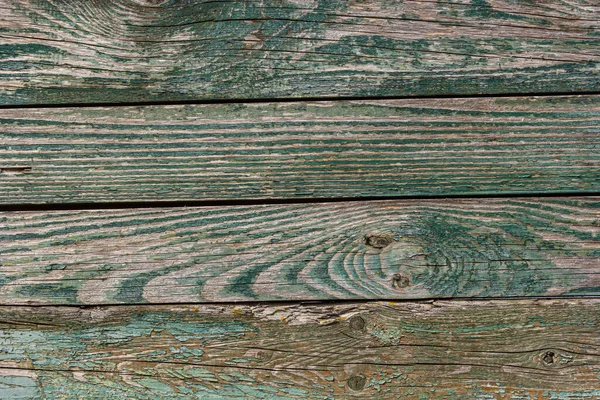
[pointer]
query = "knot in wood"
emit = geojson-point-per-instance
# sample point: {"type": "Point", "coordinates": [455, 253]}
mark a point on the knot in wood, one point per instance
{"type": "Point", "coordinates": [555, 358]}
{"type": "Point", "coordinates": [357, 382]}
{"type": "Point", "coordinates": [357, 323]}
{"type": "Point", "coordinates": [400, 281]}
{"type": "Point", "coordinates": [548, 357]}
{"type": "Point", "coordinates": [264, 356]}
{"type": "Point", "coordinates": [378, 241]}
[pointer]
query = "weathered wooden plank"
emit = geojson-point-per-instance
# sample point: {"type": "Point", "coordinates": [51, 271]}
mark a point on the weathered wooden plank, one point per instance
{"type": "Point", "coordinates": [291, 150]}
{"type": "Point", "coordinates": [57, 52]}
{"type": "Point", "coordinates": [374, 250]}
{"type": "Point", "coordinates": [451, 350]}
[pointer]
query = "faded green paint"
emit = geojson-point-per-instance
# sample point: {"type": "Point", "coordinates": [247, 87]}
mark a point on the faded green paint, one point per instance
{"type": "Point", "coordinates": [242, 49]}
{"type": "Point", "coordinates": [300, 150]}
{"type": "Point", "coordinates": [427, 249]}
{"type": "Point", "coordinates": [18, 387]}
{"type": "Point", "coordinates": [60, 52]}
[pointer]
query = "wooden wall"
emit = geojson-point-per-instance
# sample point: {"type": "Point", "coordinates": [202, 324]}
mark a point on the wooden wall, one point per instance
{"type": "Point", "coordinates": [299, 199]}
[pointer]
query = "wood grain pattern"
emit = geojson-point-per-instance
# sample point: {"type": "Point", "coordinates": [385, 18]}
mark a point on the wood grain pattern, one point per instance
{"type": "Point", "coordinates": [358, 250]}
{"type": "Point", "coordinates": [450, 350]}
{"type": "Point", "coordinates": [57, 52]}
{"type": "Point", "coordinates": [301, 150]}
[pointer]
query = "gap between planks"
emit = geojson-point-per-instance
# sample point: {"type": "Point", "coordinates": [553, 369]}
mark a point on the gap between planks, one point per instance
{"type": "Point", "coordinates": [300, 303]}
{"type": "Point", "coordinates": [323, 99]}
{"type": "Point", "coordinates": [267, 201]}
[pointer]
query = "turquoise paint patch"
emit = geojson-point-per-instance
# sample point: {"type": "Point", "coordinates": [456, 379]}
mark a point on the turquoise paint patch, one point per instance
{"type": "Point", "coordinates": [18, 387]}
{"type": "Point", "coordinates": [154, 385]}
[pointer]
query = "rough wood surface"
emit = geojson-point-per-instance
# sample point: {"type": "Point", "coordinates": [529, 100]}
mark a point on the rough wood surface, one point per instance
{"type": "Point", "coordinates": [451, 350]}
{"type": "Point", "coordinates": [55, 52]}
{"type": "Point", "coordinates": [301, 150]}
{"type": "Point", "coordinates": [357, 250]}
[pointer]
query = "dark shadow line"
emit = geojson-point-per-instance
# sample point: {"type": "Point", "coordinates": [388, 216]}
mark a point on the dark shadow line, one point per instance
{"type": "Point", "coordinates": [324, 303]}
{"type": "Point", "coordinates": [280, 201]}
{"type": "Point", "coordinates": [295, 99]}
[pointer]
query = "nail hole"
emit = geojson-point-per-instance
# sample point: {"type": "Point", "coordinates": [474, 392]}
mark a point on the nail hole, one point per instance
{"type": "Point", "coordinates": [357, 382]}
{"type": "Point", "coordinates": [400, 281]}
{"type": "Point", "coordinates": [548, 357]}
{"type": "Point", "coordinates": [378, 241]}
{"type": "Point", "coordinates": [14, 170]}
{"type": "Point", "coordinates": [357, 323]}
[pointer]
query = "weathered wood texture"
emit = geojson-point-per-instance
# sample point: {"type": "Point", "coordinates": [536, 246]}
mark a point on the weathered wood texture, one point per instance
{"type": "Point", "coordinates": [55, 52]}
{"type": "Point", "coordinates": [373, 250]}
{"type": "Point", "coordinates": [292, 150]}
{"type": "Point", "coordinates": [450, 350]}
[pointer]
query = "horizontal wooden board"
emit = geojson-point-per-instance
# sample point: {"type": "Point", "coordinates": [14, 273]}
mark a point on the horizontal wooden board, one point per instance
{"type": "Point", "coordinates": [357, 250]}
{"type": "Point", "coordinates": [301, 150]}
{"type": "Point", "coordinates": [451, 350]}
{"type": "Point", "coordinates": [58, 52]}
